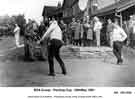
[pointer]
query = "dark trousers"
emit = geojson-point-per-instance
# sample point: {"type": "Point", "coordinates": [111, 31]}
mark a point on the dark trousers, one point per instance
{"type": "Point", "coordinates": [27, 49]}
{"type": "Point", "coordinates": [89, 42]}
{"type": "Point", "coordinates": [84, 39]}
{"type": "Point", "coordinates": [132, 43]}
{"type": "Point", "coordinates": [72, 37]}
{"type": "Point", "coordinates": [54, 51]}
{"type": "Point", "coordinates": [117, 50]}
{"type": "Point", "coordinates": [77, 42]}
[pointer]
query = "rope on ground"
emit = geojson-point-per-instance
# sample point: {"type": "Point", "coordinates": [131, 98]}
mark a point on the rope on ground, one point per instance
{"type": "Point", "coordinates": [2, 53]}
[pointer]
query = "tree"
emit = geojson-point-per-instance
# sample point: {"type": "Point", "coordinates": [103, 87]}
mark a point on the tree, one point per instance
{"type": "Point", "coordinates": [21, 21]}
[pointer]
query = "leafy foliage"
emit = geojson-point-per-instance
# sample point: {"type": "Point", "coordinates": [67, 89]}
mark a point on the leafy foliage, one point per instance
{"type": "Point", "coordinates": [7, 24]}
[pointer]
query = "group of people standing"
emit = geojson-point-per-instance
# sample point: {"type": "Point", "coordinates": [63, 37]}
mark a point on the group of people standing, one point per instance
{"type": "Point", "coordinates": [82, 31]}
{"type": "Point", "coordinates": [129, 27]}
{"type": "Point", "coordinates": [79, 33]}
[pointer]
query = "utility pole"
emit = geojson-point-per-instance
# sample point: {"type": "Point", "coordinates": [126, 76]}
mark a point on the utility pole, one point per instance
{"type": "Point", "coordinates": [91, 9]}
{"type": "Point", "coordinates": [116, 1]}
{"type": "Point", "coordinates": [119, 14]}
{"type": "Point", "coordinates": [88, 8]}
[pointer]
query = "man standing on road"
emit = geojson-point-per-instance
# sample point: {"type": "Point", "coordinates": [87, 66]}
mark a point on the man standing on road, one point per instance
{"type": "Point", "coordinates": [73, 27]}
{"type": "Point", "coordinates": [63, 27]}
{"type": "Point", "coordinates": [97, 30]}
{"type": "Point", "coordinates": [86, 27]}
{"type": "Point", "coordinates": [41, 29]}
{"type": "Point", "coordinates": [28, 40]}
{"type": "Point", "coordinates": [109, 32]}
{"type": "Point", "coordinates": [132, 31]}
{"type": "Point", "coordinates": [77, 33]}
{"type": "Point", "coordinates": [17, 35]}
{"type": "Point", "coordinates": [118, 37]}
{"type": "Point", "coordinates": [55, 43]}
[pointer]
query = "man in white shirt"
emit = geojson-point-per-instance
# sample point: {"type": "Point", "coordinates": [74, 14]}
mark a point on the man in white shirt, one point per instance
{"type": "Point", "coordinates": [118, 37]}
{"type": "Point", "coordinates": [17, 35]}
{"type": "Point", "coordinates": [55, 34]}
{"type": "Point", "coordinates": [97, 29]}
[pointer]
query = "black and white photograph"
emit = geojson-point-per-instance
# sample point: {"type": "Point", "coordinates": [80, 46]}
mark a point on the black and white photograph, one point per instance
{"type": "Point", "coordinates": [67, 43]}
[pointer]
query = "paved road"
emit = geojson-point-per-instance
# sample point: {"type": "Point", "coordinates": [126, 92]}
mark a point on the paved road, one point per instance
{"type": "Point", "coordinates": [92, 72]}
